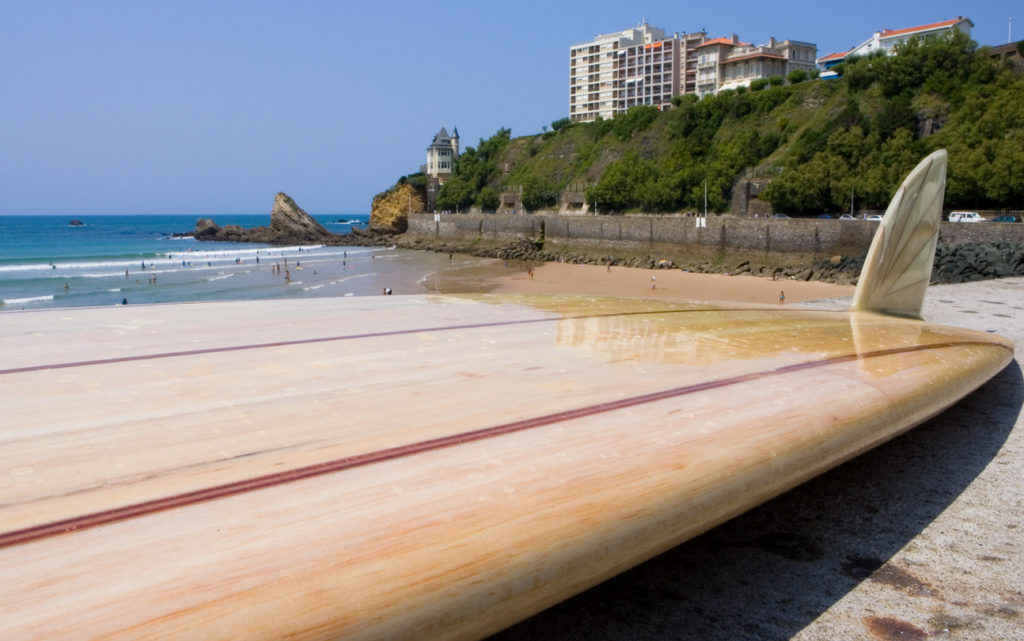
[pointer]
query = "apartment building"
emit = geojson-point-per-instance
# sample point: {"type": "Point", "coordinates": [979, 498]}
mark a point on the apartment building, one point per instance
{"type": "Point", "coordinates": [688, 60]}
{"type": "Point", "coordinates": [886, 41]}
{"type": "Point", "coordinates": [641, 66]}
{"type": "Point", "coordinates": [638, 66]}
{"type": "Point", "coordinates": [710, 53]}
{"type": "Point", "coordinates": [727, 63]}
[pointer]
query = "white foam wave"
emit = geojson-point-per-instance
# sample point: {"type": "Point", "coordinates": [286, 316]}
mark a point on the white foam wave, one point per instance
{"type": "Point", "coordinates": [31, 299]}
{"type": "Point", "coordinates": [191, 258]}
{"type": "Point", "coordinates": [220, 277]}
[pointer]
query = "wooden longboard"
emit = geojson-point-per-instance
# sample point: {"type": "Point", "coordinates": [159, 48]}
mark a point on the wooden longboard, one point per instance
{"type": "Point", "coordinates": [417, 467]}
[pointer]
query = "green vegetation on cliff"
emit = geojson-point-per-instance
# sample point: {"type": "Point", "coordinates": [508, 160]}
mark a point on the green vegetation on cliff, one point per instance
{"type": "Point", "coordinates": [821, 142]}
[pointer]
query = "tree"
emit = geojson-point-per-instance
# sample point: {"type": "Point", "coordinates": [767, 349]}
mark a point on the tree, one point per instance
{"type": "Point", "coordinates": [622, 182]}
{"type": "Point", "coordinates": [634, 119]}
{"type": "Point", "coordinates": [537, 194]}
{"type": "Point", "coordinates": [488, 200]}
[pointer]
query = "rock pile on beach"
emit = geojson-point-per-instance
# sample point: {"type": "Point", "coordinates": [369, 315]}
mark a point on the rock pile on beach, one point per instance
{"type": "Point", "coordinates": [953, 263]}
{"type": "Point", "coordinates": [977, 261]}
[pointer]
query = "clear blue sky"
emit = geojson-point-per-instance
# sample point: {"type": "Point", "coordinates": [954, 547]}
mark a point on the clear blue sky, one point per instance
{"type": "Point", "coordinates": [214, 106]}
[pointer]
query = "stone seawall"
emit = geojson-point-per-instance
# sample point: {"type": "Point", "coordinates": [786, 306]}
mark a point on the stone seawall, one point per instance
{"type": "Point", "coordinates": [807, 236]}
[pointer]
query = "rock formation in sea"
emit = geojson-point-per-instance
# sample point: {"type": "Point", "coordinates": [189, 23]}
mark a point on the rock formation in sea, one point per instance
{"type": "Point", "coordinates": [289, 225]}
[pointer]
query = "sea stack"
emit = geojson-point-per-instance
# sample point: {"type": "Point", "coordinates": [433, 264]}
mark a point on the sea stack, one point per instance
{"type": "Point", "coordinates": [289, 225]}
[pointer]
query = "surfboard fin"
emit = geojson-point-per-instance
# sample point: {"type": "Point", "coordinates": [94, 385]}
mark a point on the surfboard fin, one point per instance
{"type": "Point", "coordinates": [899, 263]}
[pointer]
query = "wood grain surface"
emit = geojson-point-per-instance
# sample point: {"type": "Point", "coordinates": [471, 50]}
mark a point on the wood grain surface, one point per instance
{"type": "Point", "coordinates": [414, 467]}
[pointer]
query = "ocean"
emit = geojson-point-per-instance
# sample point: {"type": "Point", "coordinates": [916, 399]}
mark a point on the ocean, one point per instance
{"type": "Point", "coordinates": [47, 262]}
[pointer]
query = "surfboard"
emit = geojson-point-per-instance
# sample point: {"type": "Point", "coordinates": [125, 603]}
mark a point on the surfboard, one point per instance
{"type": "Point", "coordinates": [428, 466]}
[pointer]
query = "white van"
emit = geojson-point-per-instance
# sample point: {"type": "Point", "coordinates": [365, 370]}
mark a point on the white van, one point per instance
{"type": "Point", "coordinates": [964, 217]}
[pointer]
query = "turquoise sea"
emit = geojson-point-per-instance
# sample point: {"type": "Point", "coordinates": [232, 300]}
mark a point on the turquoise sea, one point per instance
{"type": "Point", "coordinates": [47, 262]}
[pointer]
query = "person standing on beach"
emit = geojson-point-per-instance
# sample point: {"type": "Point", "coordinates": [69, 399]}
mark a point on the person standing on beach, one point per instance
{"type": "Point", "coordinates": [652, 281]}
{"type": "Point", "coordinates": [782, 297]}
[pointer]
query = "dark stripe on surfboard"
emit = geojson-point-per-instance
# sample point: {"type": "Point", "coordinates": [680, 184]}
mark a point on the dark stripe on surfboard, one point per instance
{"type": "Point", "coordinates": [348, 337]}
{"type": "Point", "coordinates": [123, 513]}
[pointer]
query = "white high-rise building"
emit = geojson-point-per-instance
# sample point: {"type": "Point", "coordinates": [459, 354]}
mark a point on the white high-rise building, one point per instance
{"type": "Point", "coordinates": [641, 66]}
{"type": "Point", "coordinates": [637, 66]}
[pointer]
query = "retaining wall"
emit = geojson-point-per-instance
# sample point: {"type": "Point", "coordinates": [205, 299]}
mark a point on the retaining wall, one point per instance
{"type": "Point", "coordinates": [850, 237]}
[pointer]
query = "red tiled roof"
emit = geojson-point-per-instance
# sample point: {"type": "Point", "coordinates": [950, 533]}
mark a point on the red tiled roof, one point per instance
{"type": "Point", "coordinates": [887, 33]}
{"type": "Point", "coordinates": [722, 41]}
{"type": "Point", "coordinates": [756, 54]}
{"type": "Point", "coordinates": [839, 55]}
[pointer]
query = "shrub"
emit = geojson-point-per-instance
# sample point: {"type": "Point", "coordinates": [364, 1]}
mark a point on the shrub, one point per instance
{"type": "Point", "coordinates": [797, 76]}
{"type": "Point", "coordinates": [561, 123]}
{"type": "Point", "coordinates": [758, 84]}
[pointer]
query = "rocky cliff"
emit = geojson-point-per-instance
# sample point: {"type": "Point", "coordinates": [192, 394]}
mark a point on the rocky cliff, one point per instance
{"type": "Point", "coordinates": [389, 213]}
{"type": "Point", "coordinates": [289, 225]}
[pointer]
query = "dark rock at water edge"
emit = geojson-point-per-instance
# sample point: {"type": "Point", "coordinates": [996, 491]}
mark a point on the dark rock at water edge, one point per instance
{"type": "Point", "coordinates": [289, 225]}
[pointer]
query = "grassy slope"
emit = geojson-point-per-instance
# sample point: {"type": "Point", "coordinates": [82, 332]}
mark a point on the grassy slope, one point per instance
{"type": "Point", "coordinates": [821, 140]}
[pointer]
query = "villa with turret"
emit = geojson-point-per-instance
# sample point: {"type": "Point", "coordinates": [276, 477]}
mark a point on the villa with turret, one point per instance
{"type": "Point", "coordinates": [441, 155]}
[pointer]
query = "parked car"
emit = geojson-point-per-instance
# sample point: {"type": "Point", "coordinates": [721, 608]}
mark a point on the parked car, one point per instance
{"type": "Point", "coordinates": [847, 217]}
{"type": "Point", "coordinates": [874, 217]}
{"type": "Point", "coordinates": [825, 216]}
{"type": "Point", "coordinates": [781, 216]}
{"type": "Point", "coordinates": [965, 217]}
{"type": "Point", "coordinates": [1004, 219]}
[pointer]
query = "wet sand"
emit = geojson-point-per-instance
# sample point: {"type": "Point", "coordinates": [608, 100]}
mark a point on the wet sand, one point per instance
{"type": "Point", "coordinates": [595, 280]}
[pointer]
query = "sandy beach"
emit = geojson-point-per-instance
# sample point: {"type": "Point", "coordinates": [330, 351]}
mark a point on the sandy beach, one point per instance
{"type": "Point", "coordinates": [595, 280]}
